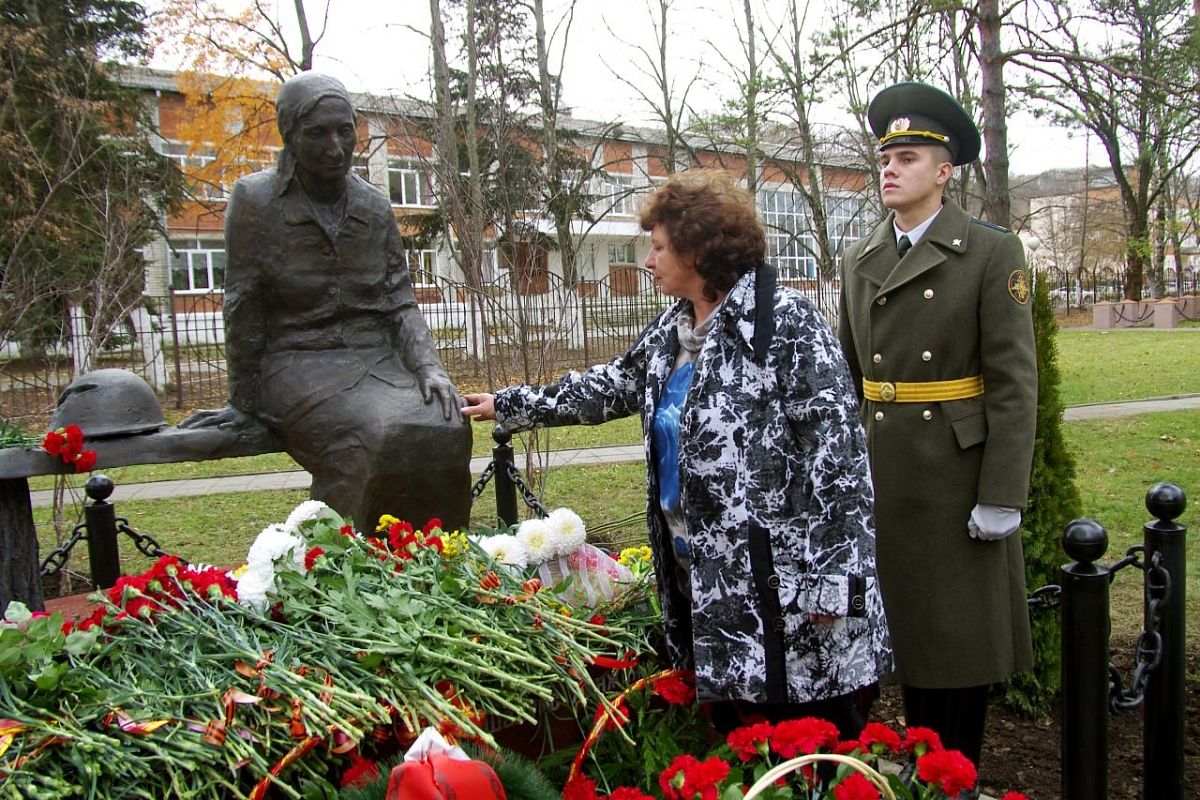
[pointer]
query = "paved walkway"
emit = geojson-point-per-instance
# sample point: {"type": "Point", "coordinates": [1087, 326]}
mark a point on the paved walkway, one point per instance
{"type": "Point", "coordinates": [299, 479]}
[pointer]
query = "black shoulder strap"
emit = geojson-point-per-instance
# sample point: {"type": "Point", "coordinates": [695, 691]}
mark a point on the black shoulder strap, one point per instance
{"type": "Point", "coordinates": [764, 311]}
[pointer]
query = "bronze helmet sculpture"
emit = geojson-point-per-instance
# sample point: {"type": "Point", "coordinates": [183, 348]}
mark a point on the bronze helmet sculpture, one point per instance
{"type": "Point", "coordinates": [109, 402]}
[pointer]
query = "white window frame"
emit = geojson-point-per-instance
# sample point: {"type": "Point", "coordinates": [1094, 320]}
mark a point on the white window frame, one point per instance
{"type": "Point", "coordinates": [788, 224]}
{"type": "Point", "coordinates": [616, 189]}
{"type": "Point", "coordinates": [197, 256]}
{"type": "Point", "coordinates": [415, 188]}
{"type": "Point", "coordinates": [629, 250]}
{"type": "Point", "coordinates": [422, 266]}
{"type": "Point", "coordinates": [846, 220]}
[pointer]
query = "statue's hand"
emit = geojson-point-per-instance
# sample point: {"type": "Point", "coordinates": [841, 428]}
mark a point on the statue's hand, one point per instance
{"type": "Point", "coordinates": [227, 418]}
{"type": "Point", "coordinates": [435, 383]}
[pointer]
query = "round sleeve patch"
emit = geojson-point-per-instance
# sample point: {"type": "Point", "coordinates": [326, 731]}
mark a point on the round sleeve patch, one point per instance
{"type": "Point", "coordinates": [1018, 286]}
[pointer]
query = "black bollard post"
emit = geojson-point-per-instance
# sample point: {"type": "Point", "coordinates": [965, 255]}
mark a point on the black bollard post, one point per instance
{"type": "Point", "coordinates": [1085, 633]}
{"type": "Point", "coordinates": [1162, 732]}
{"type": "Point", "coordinates": [506, 489]}
{"type": "Point", "coordinates": [100, 517]}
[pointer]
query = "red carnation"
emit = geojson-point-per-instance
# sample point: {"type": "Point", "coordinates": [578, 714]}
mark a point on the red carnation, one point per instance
{"type": "Point", "coordinates": [85, 461]}
{"type": "Point", "coordinates": [878, 738]}
{"type": "Point", "coordinates": [950, 770]}
{"type": "Point", "coordinates": [434, 524]}
{"type": "Point", "coordinates": [686, 778]}
{"type": "Point", "coordinates": [310, 558]}
{"type": "Point", "coordinates": [803, 736]}
{"type": "Point", "coordinates": [673, 688]}
{"type": "Point", "coordinates": [204, 583]}
{"type": "Point", "coordinates": [918, 741]}
{"type": "Point", "coordinates": [750, 741]}
{"type": "Point", "coordinates": [581, 787]}
{"type": "Point", "coordinates": [855, 787]}
{"type": "Point", "coordinates": [628, 793]}
{"type": "Point", "coordinates": [74, 437]}
{"type": "Point", "coordinates": [399, 533]}
{"type": "Point", "coordinates": [360, 772]}
{"type": "Point", "coordinates": [54, 442]}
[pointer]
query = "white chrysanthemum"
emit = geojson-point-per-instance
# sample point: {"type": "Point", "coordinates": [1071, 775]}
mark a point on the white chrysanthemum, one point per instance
{"type": "Point", "coordinates": [309, 509]}
{"type": "Point", "coordinates": [566, 530]}
{"type": "Point", "coordinates": [274, 544]}
{"type": "Point", "coordinates": [253, 586]}
{"type": "Point", "coordinates": [537, 539]}
{"type": "Point", "coordinates": [505, 549]}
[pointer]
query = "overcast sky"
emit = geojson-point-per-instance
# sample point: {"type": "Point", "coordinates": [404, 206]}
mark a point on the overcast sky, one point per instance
{"type": "Point", "coordinates": [381, 46]}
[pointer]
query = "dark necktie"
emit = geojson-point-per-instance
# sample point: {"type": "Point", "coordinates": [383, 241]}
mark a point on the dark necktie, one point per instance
{"type": "Point", "coordinates": [903, 245]}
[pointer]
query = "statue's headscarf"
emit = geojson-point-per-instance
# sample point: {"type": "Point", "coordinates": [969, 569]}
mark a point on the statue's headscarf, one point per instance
{"type": "Point", "coordinates": [299, 95]}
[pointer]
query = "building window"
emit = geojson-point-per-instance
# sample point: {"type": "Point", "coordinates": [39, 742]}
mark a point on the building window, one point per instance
{"type": "Point", "coordinates": [198, 265]}
{"type": "Point", "coordinates": [845, 217]}
{"type": "Point", "coordinates": [422, 266]}
{"type": "Point", "coordinates": [408, 183]}
{"type": "Point", "coordinates": [789, 233]}
{"type": "Point", "coordinates": [192, 164]}
{"type": "Point", "coordinates": [621, 254]}
{"type": "Point", "coordinates": [617, 193]}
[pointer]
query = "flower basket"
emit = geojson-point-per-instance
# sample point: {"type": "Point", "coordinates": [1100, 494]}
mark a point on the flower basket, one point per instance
{"type": "Point", "coordinates": [788, 767]}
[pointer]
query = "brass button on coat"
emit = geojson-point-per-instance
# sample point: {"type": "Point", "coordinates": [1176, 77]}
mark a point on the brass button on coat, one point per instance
{"type": "Point", "coordinates": [929, 294]}
{"type": "Point", "coordinates": [882, 301]}
{"type": "Point", "coordinates": [927, 414]}
{"type": "Point", "coordinates": [773, 581]}
{"type": "Point", "coordinates": [877, 358]}
{"type": "Point", "coordinates": [926, 356]}
{"type": "Point", "coordinates": [878, 416]}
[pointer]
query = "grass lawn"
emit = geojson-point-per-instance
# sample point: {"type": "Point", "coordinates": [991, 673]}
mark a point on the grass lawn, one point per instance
{"type": "Point", "coordinates": [1108, 366]}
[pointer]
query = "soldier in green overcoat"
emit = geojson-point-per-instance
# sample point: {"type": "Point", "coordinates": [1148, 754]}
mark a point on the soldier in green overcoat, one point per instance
{"type": "Point", "coordinates": [936, 325]}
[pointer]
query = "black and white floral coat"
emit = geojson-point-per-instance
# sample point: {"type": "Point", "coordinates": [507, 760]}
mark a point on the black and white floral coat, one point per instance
{"type": "Point", "coordinates": [776, 496]}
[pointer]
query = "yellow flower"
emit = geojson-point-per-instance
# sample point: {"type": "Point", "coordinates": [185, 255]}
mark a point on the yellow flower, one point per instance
{"type": "Point", "coordinates": [385, 521]}
{"type": "Point", "coordinates": [635, 556]}
{"type": "Point", "coordinates": [454, 544]}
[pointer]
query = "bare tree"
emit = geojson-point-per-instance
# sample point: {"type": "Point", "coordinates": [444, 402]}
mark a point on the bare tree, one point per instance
{"type": "Point", "coordinates": [1137, 92]}
{"type": "Point", "coordinates": [668, 104]}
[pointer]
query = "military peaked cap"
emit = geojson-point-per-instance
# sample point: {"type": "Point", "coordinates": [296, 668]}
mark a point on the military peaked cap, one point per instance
{"type": "Point", "coordinates": [916, 113]}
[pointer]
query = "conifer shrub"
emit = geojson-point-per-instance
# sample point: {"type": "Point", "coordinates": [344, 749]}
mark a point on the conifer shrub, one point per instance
{"type": "Point", "coordinates": [1053, 502]}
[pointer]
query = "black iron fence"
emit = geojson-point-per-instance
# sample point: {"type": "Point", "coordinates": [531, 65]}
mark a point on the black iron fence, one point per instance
{"type": "Point", "coordinates": [529, 330]}
{"type": "Point", "coordinates": [1092, 687]}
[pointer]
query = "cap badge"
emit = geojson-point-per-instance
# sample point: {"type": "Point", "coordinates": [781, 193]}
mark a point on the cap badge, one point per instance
{"type": "Point", "coordinates": [899, 124]}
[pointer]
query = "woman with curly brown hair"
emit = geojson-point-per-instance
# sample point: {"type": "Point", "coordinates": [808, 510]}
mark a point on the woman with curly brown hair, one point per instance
{"type": "Point", "coordinates": [759, 494]}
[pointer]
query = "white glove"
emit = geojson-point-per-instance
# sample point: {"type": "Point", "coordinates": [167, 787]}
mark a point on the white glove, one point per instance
{"type": "Point", "coordinates": [993, 522]}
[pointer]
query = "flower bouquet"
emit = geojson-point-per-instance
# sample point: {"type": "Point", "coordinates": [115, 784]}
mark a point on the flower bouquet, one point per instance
{"type": "Point", "coordinates": [800, 758]}
{"type": "Point", "coordinates": [327, 645]}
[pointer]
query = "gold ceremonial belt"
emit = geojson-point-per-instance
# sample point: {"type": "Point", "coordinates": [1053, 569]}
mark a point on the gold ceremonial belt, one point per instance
{"type": "Point", "coordinates": [922, 392]}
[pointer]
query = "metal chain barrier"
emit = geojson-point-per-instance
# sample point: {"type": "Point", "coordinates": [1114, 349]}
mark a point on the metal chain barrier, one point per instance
{"type": "Point", "coordinates": [57, 558]}
{"type": "Point", "coordinates": [143, 542]}
{"type": "Point", "coordinates": [481, 484]}
{"type": "Point", "coordinates": [531, 499]}
{"type": "Point", "coordinates": [1046, 598]}
{"type": "Point", "coordinates": [1149, 649]}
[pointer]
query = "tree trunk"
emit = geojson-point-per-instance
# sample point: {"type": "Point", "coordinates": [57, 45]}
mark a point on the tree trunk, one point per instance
{"type": "Point", "coordinates": [306, 42]}
{"type": "Point", "coordinates": [997, 207]}
{"type": "Point", "coordinates": [20, 567]}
